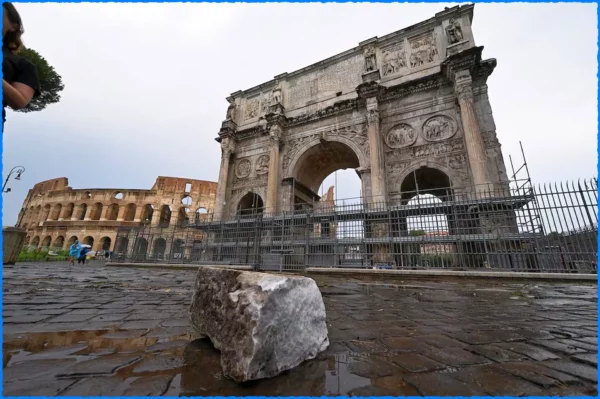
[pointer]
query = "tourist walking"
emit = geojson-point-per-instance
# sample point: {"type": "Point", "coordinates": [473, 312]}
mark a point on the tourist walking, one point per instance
{"type": "Point", "coordinates": [74, 252]}
{"type": "Point", "coordinates": [20, 82]}
{"type": "Point", "coordinates": [106, 256]}
{"type": "Point", "coordinates": [83, 255]}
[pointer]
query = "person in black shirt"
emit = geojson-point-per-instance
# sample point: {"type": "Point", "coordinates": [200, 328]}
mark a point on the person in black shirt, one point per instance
{"type": "Point", "coordinates": [20, 81]}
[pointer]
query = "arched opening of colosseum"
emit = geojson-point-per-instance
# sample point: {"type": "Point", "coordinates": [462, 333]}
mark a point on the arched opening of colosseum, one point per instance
{"type": "Point", "coordinates": [72, 241]}
{"type": "Point", "coordinates": [96, 211]}
{"type": "Point", "coordinates": [315, 165]}
{"type": "Point", "coordinates": [59, 242]}
{"type": "Point", "coordinates": [122, 245]}
{"type": "Point", "coordinates": [147, 213]}
{"type": "Point", "coordinates": [87, 195]}
{"type": "Point", "coordinates": [119, 196]}
{"type": "Point", "coordinates": [250, 204]}
{"type": "Point", "coordinates": [30, 217]}
{"type": "Point", "coordinates": [89, 240]}
{"type": "Point", "coordinates": [55, 214]}
{"type": "Point", "coordinates": [141, 247]}
{"type": "Point", "coordinates": [160, 246]}
{"type": "Point", "coordinates": [83, 213]}
{"type": "Point", "coordinates": [177, 251]}
{"type": "Point", "coordinates": [113, 212]}
{"type": "Point", "coordinates": [165, 216]}
{"type": "Point", "coordinates": [46, 213]}
{"type": "Point", "coordinates": [201, 215]}
{"type": "Point", "coordinates": [26, 241]}
{"type": "Point", "coordinates": [68, 212]}
{"type": "Point", "coordinates": [35, 242]}
{"type": "Point", "coordinates": [129, 213]}
{"type": "Point", "coordinates": [186, 201]}
{"type": "Point", "coordinates": [105, 243]}
{"type": "Point", "coordinates": [182, 216]}
{"type": "Point", "coordinates": [47, 241]}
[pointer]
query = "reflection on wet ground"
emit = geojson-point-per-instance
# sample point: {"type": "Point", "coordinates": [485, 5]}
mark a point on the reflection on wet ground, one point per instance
{"type": "Point", "coordinates": [94, 363]}
{"type": "Point", "coordinates": [128, 336]}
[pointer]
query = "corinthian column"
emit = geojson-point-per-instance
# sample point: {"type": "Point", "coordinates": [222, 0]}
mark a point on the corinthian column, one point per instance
{"type": "Point", "coordinates": [378, 187]}
{"type": "Point", "coordinates": [473, 139]}
{"type": "Point", "coordinates": [273, 177]}
{"type": "Point", "coordinates": [227, 148]}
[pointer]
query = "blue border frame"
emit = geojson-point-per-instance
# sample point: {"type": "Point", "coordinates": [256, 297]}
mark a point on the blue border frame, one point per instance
{"type": "Point", "coordinates": [304, 1]}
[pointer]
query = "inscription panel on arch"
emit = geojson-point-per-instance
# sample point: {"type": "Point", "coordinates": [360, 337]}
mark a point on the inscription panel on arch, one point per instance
{"type": "Point", "coordinates": [344, 75]}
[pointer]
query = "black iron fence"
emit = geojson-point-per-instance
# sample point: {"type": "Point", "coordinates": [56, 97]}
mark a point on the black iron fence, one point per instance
{"type": "Point", "coordinates": [517, 227]}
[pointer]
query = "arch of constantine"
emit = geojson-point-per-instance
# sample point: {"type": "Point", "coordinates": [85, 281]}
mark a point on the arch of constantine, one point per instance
{"type": "Point", "coordinates": [55, 215]}
{"type": "Point", "coordinates": [407, 111]}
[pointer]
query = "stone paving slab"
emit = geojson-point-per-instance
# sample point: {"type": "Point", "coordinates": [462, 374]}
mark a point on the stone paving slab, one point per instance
{"type": "Point", "coordinates": [96, 330]}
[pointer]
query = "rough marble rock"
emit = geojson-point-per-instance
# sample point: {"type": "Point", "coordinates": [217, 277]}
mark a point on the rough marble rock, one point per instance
{"type": "Point", "coordinates": [263, 324]}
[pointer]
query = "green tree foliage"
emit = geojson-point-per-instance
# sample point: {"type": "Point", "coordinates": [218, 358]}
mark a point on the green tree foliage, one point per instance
{"type": "Point", "coordinates": [50, 82]}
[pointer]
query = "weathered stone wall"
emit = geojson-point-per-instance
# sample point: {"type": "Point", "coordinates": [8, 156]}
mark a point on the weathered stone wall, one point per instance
{"type": "Point", "coordinates": [55, 214]}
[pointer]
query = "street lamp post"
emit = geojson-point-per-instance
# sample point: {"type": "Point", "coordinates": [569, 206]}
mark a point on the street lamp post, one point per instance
{"type": "Point", "coordinates": [19, 171]}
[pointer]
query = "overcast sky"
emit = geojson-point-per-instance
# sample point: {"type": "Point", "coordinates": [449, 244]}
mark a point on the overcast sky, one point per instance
{"type": "Point", "coordinates": [145, 84]}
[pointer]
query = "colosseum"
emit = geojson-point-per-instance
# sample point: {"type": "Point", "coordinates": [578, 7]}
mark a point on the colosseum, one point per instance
{"type": "Point", "coordinates": [55, 215]}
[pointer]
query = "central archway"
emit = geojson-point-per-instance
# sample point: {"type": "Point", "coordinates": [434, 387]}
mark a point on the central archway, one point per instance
{"type": "Point", "coordinates": [321, 160]}
{"type": "Point", "coordinates": [318, 160]}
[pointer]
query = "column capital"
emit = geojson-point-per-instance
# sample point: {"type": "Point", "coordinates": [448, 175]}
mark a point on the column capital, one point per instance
{"type": "Point", "coordinates": [463, 85]}
{"type": "Point", "coordinates": [361, 171]}
{"type": "Point", "coordinates": [372, 116]}
{"type": "Point", "coordinates": [227, 146]}
{"type": "Point", "coordinates": [369, 90]}
{"type": "Point", "coordinates": [275, 133]}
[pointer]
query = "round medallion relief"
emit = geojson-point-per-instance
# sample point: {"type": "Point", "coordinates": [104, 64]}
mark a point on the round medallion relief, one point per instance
{"type": "Point", "coordinates": [243, 168]}
{"type": "Point", "coordinates": [438, 128]}
{"type": "Point", "coordinates": [402, 135]}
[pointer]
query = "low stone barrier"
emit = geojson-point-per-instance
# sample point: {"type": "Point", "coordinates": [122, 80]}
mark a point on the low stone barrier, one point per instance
{"type": "Point", "coordinates": [12, 243]}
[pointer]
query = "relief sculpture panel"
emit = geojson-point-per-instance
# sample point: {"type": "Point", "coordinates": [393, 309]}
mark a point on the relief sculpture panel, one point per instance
{"type": "Point", "coordinates": [402, 135]}
{"type": "Point", "coordinates": [252, 108]}
{"type": "Point", "coordinates": [439, 127]}
{"type": "Point", "coordinates": [422, 50]}
{"type": "Point", "coordinates": [262, 165]}
{"type": "Point", "coordinates": [244, 168]}
{"type": "Point", "coordinates": [431, 150]}
{"type": "Point", "coordinates": [394, 59]}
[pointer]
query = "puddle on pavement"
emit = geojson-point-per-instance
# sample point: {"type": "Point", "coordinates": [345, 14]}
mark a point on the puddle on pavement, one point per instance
{"type": "Point", "coordinates": [119, 363]}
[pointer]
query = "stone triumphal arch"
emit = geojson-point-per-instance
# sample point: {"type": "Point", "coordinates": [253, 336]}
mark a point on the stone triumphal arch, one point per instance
{"type": "Point", "coordinates": [407, 111]}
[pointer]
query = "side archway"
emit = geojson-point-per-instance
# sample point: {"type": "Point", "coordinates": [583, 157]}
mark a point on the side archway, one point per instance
{"type": "Point", "coordinates": [250, 204]}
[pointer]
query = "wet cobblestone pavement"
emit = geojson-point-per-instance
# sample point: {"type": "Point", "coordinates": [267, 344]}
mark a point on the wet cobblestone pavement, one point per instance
{"type": "Point", "coordinates": [109, 331]}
